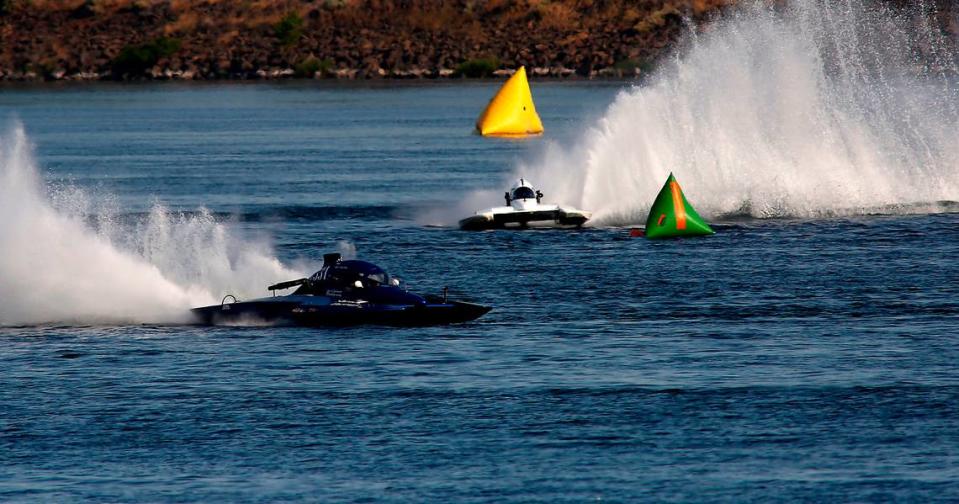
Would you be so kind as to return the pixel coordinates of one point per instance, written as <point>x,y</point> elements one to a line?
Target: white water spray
<point>819,108</point>
<point>347,249</point>
<point>55,267</point>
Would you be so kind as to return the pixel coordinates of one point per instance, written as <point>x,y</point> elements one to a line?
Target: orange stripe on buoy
<point>678,208</point>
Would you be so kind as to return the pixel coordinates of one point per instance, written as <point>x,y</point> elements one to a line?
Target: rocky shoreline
<point>123,40</point>
<point>84,40</point>
<point>163,74</point>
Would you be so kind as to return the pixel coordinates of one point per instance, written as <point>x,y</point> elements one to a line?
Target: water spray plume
<point>55,267</point>
<point>815,109</point>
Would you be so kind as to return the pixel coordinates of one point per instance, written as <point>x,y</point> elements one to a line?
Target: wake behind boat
<point>343,293</point>
<point>524,208</point>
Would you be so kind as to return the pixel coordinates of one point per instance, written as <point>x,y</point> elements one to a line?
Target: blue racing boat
<point>342,293</point>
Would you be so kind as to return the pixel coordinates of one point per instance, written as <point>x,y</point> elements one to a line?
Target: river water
<point>793,359</point>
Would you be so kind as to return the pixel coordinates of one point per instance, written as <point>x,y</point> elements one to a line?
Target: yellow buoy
<point>511,112</point>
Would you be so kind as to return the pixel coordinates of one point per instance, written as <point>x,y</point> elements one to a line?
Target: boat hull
<point>523,219</point>
<point>277,311</point>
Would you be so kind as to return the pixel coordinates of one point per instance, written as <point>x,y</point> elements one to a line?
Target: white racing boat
<point>524,208</point>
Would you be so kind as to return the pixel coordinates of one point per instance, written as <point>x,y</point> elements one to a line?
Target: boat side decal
<point>678,205</point>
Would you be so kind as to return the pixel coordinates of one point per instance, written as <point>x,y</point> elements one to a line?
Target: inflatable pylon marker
<point>671,216</point>
<point>511,111</point>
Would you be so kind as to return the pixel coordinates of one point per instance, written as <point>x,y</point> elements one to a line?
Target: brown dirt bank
<point>250,39</point>
<point>217,39</point>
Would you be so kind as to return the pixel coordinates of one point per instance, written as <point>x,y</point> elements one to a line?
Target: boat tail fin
<point>287,284</point>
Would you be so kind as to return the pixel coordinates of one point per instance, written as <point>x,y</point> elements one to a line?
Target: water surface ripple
<point>791,360</point>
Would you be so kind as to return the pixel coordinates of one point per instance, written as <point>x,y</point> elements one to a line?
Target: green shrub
<point>165,46</point>
<point>44,69</point>
<point>476,68</point>
<point>628,67</point>
<point>134,61</point>
<point>311,64</point>
<point>289,29</point>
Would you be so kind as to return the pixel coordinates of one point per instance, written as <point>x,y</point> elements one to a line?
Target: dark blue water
<point>780,360</point>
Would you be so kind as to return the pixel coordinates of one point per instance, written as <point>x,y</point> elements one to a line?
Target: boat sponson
<point>476,222</point>
<point>572,218</point>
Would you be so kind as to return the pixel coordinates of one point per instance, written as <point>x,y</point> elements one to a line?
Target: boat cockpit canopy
<point>523,192</point>
<point>348,273</point>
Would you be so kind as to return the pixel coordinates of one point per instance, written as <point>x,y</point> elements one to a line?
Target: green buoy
<point>671,216</point>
